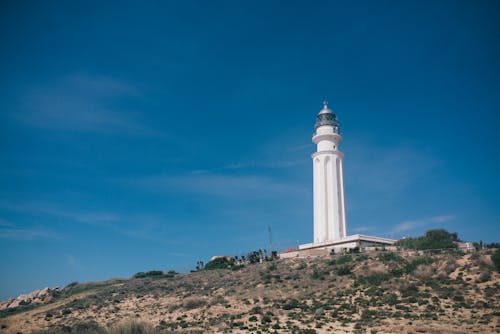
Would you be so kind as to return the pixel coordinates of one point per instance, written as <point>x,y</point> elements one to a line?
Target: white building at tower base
<point>350,242</point>
<point>362,242</point>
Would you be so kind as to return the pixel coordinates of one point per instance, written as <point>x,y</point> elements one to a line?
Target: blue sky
<point>151,135</point>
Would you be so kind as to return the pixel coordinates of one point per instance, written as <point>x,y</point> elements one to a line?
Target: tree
<point>433,239</point>
<point>253,257</point>
<point>200,265</point>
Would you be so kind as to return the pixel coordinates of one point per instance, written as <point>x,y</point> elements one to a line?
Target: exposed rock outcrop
<point>35,297</point>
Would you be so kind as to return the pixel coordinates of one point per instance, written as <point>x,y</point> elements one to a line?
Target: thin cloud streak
<point>301,147</point>
<point>136,226</point>
<point>9,230</point>
<point>51,209</point>
<point>362,229</point>
<point>262,164</point>
<point>5,223</point>
<point>219,185</point>
<point>413,224</point>
<point>83,103</point>
<point>18,233</point>
<point>387,170</point>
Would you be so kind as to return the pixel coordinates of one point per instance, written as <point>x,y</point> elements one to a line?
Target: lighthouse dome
<point>327,117</point>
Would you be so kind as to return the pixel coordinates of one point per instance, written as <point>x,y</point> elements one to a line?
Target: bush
<point>79,328</point>
<point>266,319</point>
<point>193,302</point>
<point>132,327</point>
<point>317,274</point>
<point>221,263</point>
<point>290,304</point>
<point>354,250</point>
<point>344,270</point>
<point>496,259</point>
<point>152,273</point>
<point>71,285</point>
<point>390,256</point>
<point>411,266</point>
<point>307,331</point>
<point>374,279</point>
<point>396,272</point>
<point>344,259</point>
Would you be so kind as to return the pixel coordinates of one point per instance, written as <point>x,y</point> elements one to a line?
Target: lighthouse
<point>329,223</point>
<point>328,179</point>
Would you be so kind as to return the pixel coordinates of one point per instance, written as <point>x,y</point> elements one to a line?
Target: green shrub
<point>266,319</point>
<point>373,279</point>
<point>344,259</point>
<point>256,310</point>
<point>290,304</point>
<point>391,299</point>
<point>79,328</point>
<point>319,274</point>
<point>71,285</point>
<point>361,257</point>
<point>221,263</point>
<point>396,272</point>
<point>343,270</point>
<point>132,327</point>
<point>170,273</point>
<point>354,250</point>
<point>496,259</point>
<point>390,256</point>
<point>307,331</point>
<point>193,302</point>
<point>410,291</point>
<point>411,266</point>
<point>152,273</point>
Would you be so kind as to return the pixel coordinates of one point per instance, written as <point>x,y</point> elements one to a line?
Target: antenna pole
<point>270,240</point>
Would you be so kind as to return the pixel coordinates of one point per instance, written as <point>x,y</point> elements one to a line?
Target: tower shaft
<point>329,212</point>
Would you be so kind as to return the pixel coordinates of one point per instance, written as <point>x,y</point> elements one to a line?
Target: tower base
<point>350,242</point>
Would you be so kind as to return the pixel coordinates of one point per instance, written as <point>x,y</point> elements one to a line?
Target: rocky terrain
<point>378,292</point>
<point>35,297</point>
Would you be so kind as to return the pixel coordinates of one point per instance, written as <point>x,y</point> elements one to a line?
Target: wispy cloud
<point>83,103</point>
<point>104,85</point>
<point>133,225</point>
<point>219,184</point>
<point>5,223</point>
<point>261,164</point>
<point>301,147</point>
<point>387,170</point>
<point>409,225</point>
<point>27,234</point>
<point>9,230</point>
<point>362,229</point>
<point>51,209</point>
<point>252,165</point>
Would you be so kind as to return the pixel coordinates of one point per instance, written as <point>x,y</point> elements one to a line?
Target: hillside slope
<point>373,293</point>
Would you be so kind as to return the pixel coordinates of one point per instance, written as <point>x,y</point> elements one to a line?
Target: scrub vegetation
<point>410,291</point>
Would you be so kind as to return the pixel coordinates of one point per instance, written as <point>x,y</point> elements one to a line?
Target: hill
<point>378,292</point>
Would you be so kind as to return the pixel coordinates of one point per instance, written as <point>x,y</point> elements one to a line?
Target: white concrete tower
<point>329,204</point>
